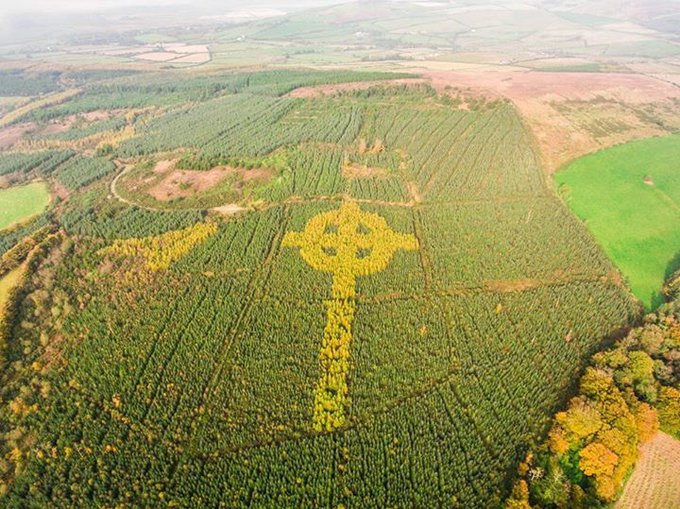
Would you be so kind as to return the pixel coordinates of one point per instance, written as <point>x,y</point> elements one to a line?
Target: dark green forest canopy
<point>195,385</point>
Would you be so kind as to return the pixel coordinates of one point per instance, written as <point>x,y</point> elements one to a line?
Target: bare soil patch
<point>92,116</point>
<point>66,123</point>
<point>57,127</point>
<point>59,190</point>
<point>322,90</point>
<point>563,134</point>
<point>184,183</point>
<point>229,209</point>
<point>163,166</point>
<point>361,171</point>
<point>10,135</point>
<point>654,483</point>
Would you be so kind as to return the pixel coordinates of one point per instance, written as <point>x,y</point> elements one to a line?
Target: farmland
<point>20,203</point>
<point>628,197</point>
<point>369,328</point>
<point>653,483</point>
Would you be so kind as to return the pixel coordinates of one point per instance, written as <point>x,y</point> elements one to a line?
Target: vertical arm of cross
<point>331,393</point>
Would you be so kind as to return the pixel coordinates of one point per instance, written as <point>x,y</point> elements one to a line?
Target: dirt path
<point>654,483</point>
<point>114,192</point>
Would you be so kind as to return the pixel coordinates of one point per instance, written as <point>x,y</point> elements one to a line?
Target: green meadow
<point>629,197</point>
<point>20,203</point>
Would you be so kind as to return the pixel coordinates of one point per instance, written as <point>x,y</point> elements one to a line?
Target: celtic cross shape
<point>346,242</point>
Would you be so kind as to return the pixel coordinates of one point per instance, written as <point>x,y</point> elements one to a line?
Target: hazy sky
<point>66,6</point>
<point>40,20</point>
<point>59,6</point>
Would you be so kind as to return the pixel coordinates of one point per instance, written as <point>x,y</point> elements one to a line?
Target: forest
<point>418,371</point>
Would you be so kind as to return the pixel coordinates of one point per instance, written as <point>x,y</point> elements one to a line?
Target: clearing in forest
<point>629,197</point>
<point>165,184</point>
<point>20,203</point>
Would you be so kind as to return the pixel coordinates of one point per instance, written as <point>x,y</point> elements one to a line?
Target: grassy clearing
<point>629,196</point>
<point>18,204</point>
<point>154,37</point>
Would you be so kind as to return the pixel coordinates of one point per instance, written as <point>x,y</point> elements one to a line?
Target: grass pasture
<point>585,67</point>
<point>629,197</point>
<point>18,204</point>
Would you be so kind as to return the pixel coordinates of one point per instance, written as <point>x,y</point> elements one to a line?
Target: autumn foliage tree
<point>624,397</point>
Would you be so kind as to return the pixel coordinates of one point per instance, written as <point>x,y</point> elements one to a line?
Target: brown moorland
<point>10,135</point>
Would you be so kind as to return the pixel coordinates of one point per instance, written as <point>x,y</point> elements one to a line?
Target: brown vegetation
<point>163,166</point>
<point>10,135</point>
<point>63,124</point>
<point>359,171</point>
<point>183,183</point>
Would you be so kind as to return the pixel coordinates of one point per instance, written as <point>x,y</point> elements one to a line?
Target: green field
<point>629,197</point>
<point>18,204</point>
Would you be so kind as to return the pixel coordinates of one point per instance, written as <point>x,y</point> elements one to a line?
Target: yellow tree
<point>599,461</point>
